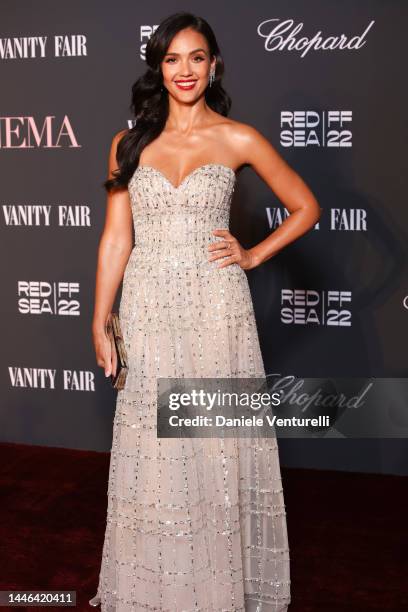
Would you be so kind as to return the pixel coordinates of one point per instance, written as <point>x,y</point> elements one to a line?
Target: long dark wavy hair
<point>149,102</point>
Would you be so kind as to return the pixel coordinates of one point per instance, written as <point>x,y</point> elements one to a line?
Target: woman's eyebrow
<point>194,51</point>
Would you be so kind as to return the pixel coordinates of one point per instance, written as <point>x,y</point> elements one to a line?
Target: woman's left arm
<point>289,188</point>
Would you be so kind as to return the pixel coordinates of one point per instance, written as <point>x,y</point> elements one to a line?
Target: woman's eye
<point>173,59</point>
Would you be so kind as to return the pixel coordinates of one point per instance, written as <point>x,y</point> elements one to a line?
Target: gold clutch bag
<point>119,356</point>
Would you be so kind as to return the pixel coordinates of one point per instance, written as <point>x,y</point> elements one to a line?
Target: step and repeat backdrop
<point>324,82</point>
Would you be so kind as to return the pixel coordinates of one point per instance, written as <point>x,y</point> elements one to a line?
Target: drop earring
<point>212,76</point>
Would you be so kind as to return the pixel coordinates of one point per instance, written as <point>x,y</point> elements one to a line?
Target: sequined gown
<point>193,524</point>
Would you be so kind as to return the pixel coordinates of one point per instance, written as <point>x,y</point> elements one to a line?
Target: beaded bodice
<point>178,221</point>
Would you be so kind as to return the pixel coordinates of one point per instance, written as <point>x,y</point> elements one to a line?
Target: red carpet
<point>347,531</point>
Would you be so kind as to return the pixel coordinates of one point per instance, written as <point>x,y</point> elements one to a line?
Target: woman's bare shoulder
<point>237,131</point>
<point>241,137</point>
<point>119,135</point>
<point>242,132</point>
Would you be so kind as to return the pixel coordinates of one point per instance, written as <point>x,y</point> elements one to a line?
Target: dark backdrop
<point>338,116</point>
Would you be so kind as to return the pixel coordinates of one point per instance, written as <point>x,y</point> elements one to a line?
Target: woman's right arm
<point>114,249</point>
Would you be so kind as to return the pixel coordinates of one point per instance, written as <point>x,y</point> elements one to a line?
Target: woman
<point>192,524</point>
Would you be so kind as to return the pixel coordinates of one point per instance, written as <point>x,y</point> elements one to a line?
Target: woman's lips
<point>186,85</point>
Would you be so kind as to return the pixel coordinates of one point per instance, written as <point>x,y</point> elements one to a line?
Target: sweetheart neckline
<point>189,175</point>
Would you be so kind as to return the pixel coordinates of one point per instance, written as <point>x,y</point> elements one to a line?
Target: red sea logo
<point>330,307</point>
<point>24,133</point>
<point>48,298</point>
<point>282,37</point>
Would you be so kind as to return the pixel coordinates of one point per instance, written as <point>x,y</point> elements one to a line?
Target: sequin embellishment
<point>193,525</point>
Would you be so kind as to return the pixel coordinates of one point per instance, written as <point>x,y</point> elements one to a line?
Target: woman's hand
<point>231,251</point>
<point>105,356</point>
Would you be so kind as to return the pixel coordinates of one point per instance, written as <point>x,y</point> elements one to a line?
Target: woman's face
<point>186,65</point>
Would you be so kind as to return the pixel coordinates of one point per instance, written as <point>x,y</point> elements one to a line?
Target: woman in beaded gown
<point>193,524</point>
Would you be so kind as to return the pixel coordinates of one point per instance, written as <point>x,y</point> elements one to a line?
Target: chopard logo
<point>282,37</point>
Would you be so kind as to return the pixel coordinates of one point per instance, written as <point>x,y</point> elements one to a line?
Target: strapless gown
<point>193,524</point>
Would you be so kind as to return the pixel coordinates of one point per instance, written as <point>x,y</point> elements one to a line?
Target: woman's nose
<point>185,68</point>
